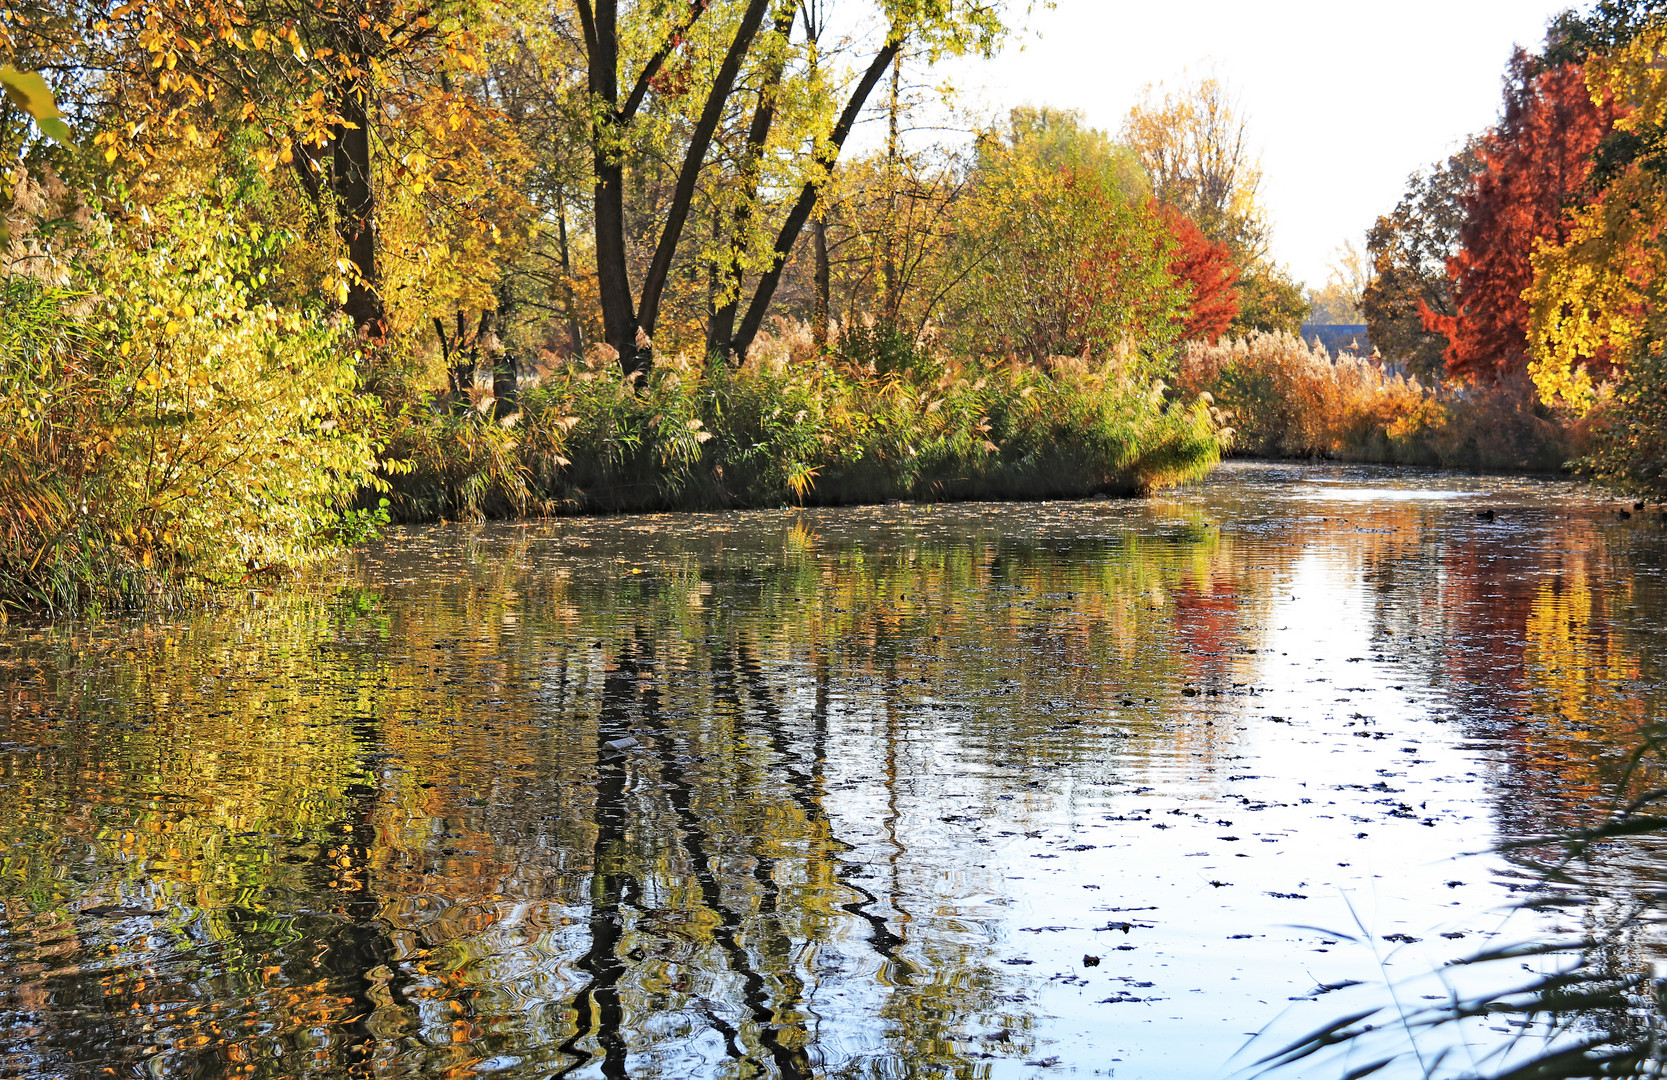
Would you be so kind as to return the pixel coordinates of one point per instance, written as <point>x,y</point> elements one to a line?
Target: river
<point>1108,788</point>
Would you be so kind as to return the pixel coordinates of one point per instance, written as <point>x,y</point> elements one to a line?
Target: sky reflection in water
<point>958,791</point>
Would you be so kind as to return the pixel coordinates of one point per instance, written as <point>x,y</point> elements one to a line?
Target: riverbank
<point>812,431</point>
<point>225,442</point>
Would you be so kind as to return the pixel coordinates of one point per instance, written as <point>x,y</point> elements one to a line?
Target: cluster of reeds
<point>1285,398</point>
<point>869,421</point>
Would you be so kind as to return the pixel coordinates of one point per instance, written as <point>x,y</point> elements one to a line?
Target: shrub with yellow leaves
<point>173,428</point>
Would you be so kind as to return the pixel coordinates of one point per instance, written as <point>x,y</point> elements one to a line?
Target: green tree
<point>1068,255</point>
<point>1270,300</point>
<point>628,50</point>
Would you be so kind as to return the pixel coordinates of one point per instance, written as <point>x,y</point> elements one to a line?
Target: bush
<point>170,429</point>
<point>1629,429</point>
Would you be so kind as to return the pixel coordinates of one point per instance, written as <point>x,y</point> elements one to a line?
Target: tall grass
<point>793,426</point>
<point>1284,398</point>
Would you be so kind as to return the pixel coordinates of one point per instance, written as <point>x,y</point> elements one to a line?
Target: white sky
<point>1345,99</point>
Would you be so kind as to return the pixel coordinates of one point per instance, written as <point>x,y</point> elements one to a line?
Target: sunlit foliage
<point>176,427</point>
<point>1071,258</point>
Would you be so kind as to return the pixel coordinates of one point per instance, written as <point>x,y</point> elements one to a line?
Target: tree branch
<point>654,282</point>
<point>826,158</point>
<point>634,101</point>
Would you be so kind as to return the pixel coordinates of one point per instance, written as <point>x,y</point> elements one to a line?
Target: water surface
<point>1097,788</point>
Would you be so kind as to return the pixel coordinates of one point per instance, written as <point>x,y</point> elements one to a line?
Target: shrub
<point>1629,429</point>
<point>172,428</point>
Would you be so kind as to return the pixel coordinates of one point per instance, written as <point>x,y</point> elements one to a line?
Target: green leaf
<point>27,90</point>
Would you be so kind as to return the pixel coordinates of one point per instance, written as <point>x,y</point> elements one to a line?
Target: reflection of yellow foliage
<point>1577,677</point>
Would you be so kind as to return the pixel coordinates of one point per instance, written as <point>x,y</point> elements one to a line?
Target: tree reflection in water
<point>714,796</point>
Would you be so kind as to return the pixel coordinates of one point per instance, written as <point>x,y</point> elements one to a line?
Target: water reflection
<point>902,792</point>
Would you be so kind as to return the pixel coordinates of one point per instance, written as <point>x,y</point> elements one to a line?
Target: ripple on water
<point>982,789</point>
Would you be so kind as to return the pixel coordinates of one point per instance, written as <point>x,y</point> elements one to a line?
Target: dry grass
<point>1284,398</point>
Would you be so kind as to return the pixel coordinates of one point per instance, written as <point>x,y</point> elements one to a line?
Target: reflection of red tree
<point>1488,590</point>
<point>1207,622</point>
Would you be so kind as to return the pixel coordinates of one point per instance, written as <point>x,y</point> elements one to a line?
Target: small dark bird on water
<point>1638,506</point>
<point>1624,515</point>
<point>1485,515</point>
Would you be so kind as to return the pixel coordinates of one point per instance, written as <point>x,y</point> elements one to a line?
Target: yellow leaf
<point>27,90</point>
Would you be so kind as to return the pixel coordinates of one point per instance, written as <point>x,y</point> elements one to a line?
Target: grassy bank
<point>794,427</point>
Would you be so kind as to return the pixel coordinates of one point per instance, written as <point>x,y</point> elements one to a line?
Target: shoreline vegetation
<point>271,280</point>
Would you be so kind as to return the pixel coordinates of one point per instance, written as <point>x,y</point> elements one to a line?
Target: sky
<point>1345,100</point>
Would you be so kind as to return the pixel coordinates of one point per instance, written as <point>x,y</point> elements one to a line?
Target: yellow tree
<point>1195,148</point>
<point>345,95</point>
<point>1593,296</point>
<point>1193,141</point>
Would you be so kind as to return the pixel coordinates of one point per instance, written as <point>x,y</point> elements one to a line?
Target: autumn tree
<point>1193,141</point>
<point>1535,163</point>
<point>1069,255</point>
<point>1338,300</point>
<point>1207,270</point>
<point>1408,249</point>
<point>338,94</point>
<point>546,297</point>
<point>1596,296</point>
<point>626,51</point>
<point>1269,299</point>
<point>1195,148</point>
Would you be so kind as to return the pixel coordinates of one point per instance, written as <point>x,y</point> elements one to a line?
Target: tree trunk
<point>722,327</point>
<point>824,277</point>
<point>677,214</point>
<point>356,207</point>
<point>889,298</point>
<point>575,340</point>
<point>619,316</point>
<point>826,159</point>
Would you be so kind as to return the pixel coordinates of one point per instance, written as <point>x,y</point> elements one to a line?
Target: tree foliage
<point>1208,272</point>
<point>1070,257</point>
<point>1535,163</point>
<point>1194,145</point>
<point>1596,294</point>
<point>178,421</point>
<point>1339,300</point>
<point>1409,249</point>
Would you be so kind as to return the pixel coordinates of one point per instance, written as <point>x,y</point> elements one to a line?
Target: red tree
<point>1208,270</point>
<point>1536,164</point>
